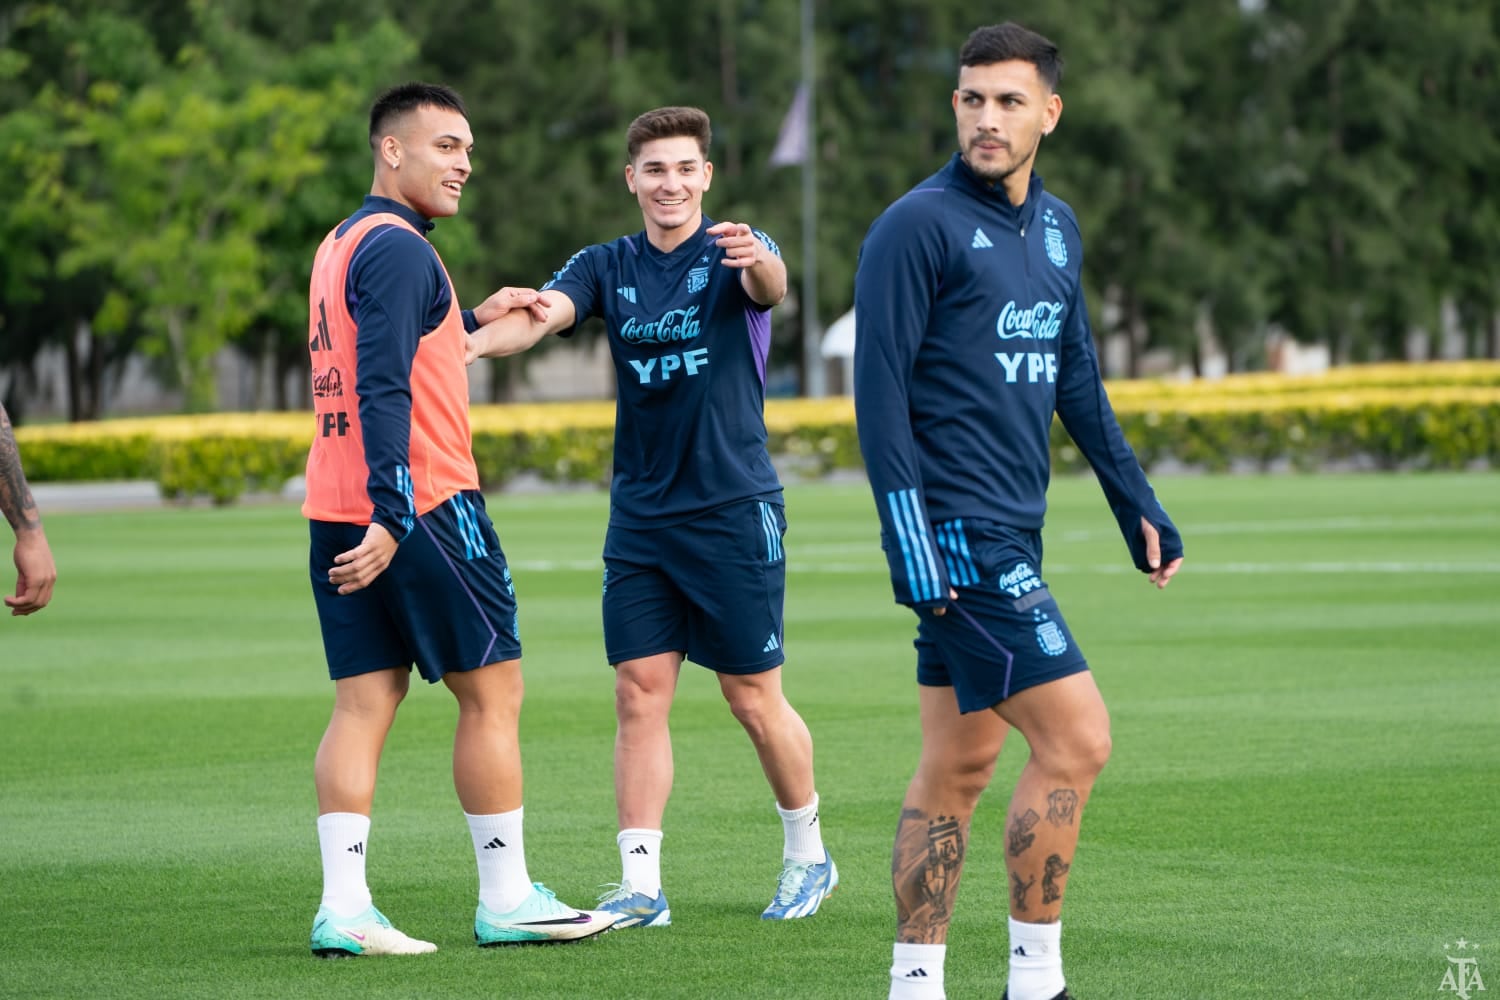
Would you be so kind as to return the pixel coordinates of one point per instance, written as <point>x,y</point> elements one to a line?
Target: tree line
<point>1327,168</point>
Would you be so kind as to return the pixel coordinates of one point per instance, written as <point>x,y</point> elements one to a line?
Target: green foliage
<point>1448,434</point>
<point>1259,424</point>
<point>569,455</point>
<point>1323,169</point>
<point>817,448</point>
<point>179,185</point>
<point>99,458</point>
<point>223,468</point>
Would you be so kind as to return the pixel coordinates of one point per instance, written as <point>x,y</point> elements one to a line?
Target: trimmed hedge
<point>1366,415</point>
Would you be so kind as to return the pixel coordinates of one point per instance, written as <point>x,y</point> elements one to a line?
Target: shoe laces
<point>549,902</point>
<point>614,892</point>
<point>790,883</point>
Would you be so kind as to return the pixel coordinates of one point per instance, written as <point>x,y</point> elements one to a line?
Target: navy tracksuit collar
<point>375,203</point>
<point>994,194</point>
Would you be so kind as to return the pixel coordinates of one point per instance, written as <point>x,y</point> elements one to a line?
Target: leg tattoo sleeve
<point>925,866</point>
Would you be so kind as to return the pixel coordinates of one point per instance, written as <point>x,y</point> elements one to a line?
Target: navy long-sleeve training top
<point>971,332</point>
<point>398,292</point>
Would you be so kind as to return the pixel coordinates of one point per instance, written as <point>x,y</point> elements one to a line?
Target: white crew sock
<point>917,971</point>
<point>500,853</point>
<point>803,833</point>
<point>640,859</point>
<point>341,840</point>
<point>1035,961</point>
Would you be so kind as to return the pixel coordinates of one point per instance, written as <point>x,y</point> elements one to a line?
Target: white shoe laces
<point>792,877</point>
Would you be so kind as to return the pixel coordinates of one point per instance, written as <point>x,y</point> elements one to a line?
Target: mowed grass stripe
<point>1300,801</point>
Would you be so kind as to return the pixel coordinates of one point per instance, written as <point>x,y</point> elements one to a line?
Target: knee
<point>370,702</point>
<point>752,710</point>
<point>1092,747</point>
<point>1099,750</point>
<point>638,697</point>
<point>494,691</point>
<point>1083,755</point>
<point>963,777</point>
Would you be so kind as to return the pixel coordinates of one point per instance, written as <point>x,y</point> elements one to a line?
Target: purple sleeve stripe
<point>758,321</point>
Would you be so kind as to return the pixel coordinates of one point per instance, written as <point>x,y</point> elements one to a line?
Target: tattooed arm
<point>35,571</point>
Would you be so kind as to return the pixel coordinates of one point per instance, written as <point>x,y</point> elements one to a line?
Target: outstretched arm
<point>762,271</point>
<point>515,319</point>
<point>35,570</point>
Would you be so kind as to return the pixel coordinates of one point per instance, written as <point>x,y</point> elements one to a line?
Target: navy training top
<point>689,348</point>
<point>971,332</point>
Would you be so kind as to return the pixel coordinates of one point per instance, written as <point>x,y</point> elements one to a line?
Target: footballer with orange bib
<point>406,566</point>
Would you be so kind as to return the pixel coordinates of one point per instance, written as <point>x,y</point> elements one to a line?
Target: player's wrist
<point>479,340</point>
<point>392,526</point>
<point>27,528</point>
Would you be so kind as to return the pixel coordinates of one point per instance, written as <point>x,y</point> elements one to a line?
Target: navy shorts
<point>1005,633</point>
<point>711,588</point>
<point>445,603</point>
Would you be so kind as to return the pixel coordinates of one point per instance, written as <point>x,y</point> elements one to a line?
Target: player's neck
<point>667,240</point>
<point>1018,185</point>
<point>390,192</point>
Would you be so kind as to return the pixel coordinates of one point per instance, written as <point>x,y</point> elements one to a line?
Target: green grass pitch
<point>1303,799</point>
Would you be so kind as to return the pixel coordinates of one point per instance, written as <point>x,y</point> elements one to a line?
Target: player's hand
<point>358,568</point>
<point>472,347</point>
<point>505,300</point>
<point>952,596</point>
<point>35,573</point>
<point>742,248</point>
<point>1160,575</point>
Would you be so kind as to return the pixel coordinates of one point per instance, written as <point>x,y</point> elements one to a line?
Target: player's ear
<point>630,177</point>
<point>1053,113</point>
<point>708,173</point>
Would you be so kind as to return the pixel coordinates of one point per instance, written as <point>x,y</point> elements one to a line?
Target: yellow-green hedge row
<point>224,455</point>
<point>1432,374</point>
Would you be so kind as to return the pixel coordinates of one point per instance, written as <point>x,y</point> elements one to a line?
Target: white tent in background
<point>838,342</point>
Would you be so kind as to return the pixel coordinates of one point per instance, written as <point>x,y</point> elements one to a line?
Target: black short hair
<point>1003,42</point>
<point>406,98</point>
